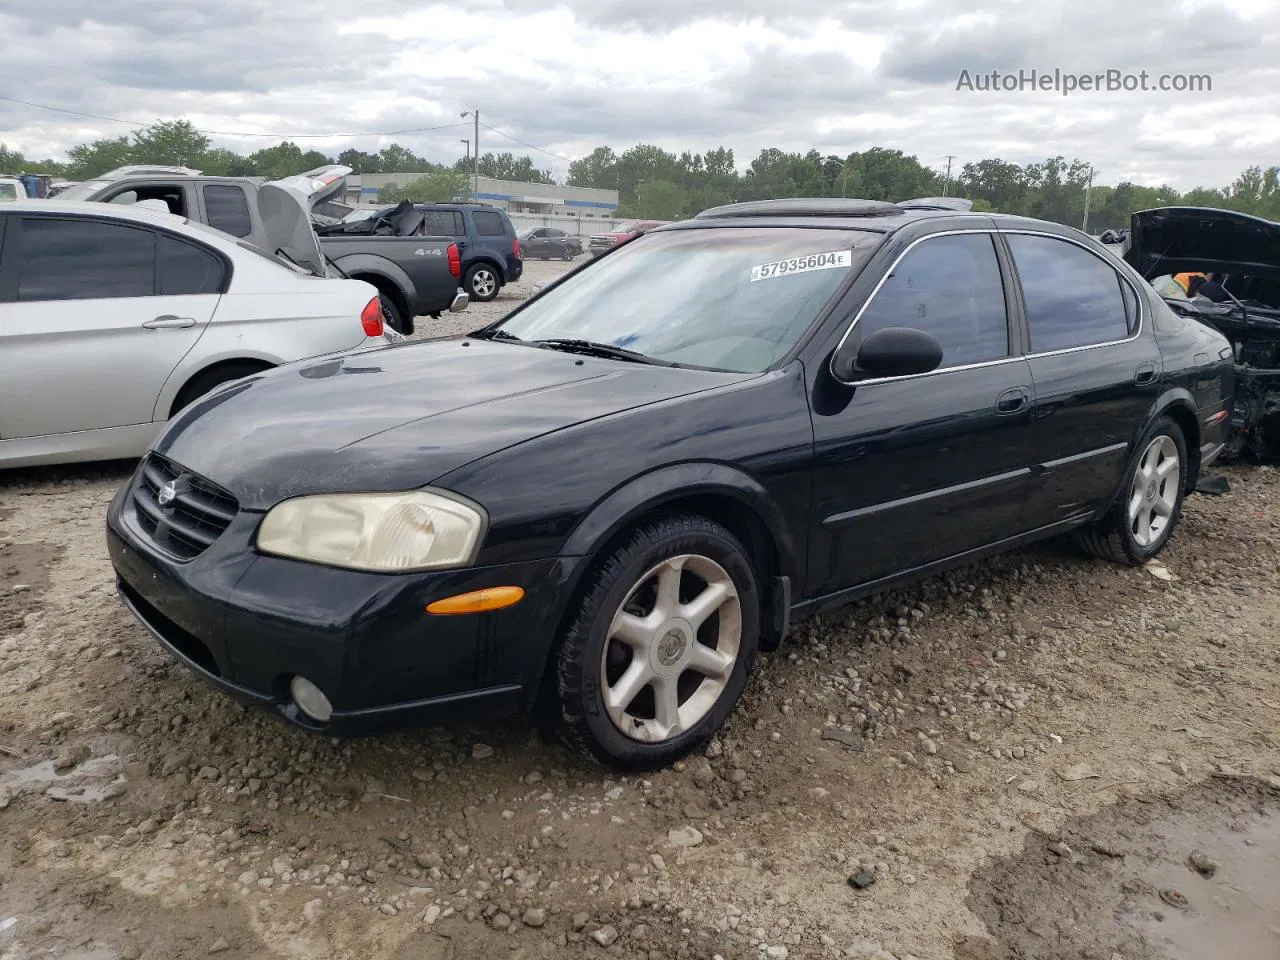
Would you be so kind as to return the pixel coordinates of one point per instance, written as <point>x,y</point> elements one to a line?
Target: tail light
<point>515,247</point>
<point>371,318</point>
<point>455,261</point>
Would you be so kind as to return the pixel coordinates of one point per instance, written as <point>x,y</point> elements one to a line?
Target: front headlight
<point>386,532</point>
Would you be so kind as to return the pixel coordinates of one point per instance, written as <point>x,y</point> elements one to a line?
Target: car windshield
<point>9,191</point>
<point>727,298</point>
<point>627,227</point>
<point>82,191</point>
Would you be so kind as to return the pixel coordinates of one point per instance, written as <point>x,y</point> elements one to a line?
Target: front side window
<point>1073,298</point>
<point>949,287</point>
<point>84,260</point>
<point>728,298</point>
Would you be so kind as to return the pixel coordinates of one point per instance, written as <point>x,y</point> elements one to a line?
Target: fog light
<point>311,700</point>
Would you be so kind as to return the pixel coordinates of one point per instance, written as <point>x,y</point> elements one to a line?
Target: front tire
<point>482,282</point>
<point>662,645</point>
<point>1145,514</point>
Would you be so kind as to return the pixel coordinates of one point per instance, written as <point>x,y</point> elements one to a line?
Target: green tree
<point>173,143</point>
<point>438,186</point>
<point>598,169</point>
<point>284,160</point>
<point>88,160</point>
<point>658,200</point>
<point>361,162</point>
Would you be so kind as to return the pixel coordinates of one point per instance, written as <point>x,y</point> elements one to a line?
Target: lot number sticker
<point>815,261</point>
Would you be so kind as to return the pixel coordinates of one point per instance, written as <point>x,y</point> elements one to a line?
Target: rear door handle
<point>1145,373</point>
<point>1012,400</point>
<point>169,322</point>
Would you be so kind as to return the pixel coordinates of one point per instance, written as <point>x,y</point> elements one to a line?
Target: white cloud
<point>685,74</point>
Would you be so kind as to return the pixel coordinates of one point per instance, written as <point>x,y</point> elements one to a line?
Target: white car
<point>113,318</point>
<point>12,190</point>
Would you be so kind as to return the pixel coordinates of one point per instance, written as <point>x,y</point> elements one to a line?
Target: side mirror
<point>889,352</point>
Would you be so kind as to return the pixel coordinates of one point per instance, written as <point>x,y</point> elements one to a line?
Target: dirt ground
<point>1042,756</point>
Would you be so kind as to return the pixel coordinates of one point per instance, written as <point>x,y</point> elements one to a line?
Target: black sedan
<point>548,243</point>
<point>599,508</point>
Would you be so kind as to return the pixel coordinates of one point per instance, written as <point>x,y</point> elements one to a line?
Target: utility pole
<point>946,184</point>
<point>1084,227</point>
<point>475,185</point>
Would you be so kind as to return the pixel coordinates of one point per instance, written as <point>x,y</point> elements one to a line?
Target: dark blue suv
<point>486,240</point>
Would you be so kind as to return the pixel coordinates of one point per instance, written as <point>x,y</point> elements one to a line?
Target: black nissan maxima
<point>599,508</point>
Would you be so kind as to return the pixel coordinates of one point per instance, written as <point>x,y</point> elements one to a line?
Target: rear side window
<point>84,260</point>
<point>444,223</point>
<point>1130,297</point>
<point>1073,298</point>
<point>228,209</point>
<point>489,224</point>
<point>185,269</point>
<point>949,287</point>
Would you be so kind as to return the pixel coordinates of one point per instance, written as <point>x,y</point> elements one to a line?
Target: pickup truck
<point>414,276</point>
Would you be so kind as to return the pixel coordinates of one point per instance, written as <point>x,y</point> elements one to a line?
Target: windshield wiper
<point>608,350</point>
<point>496,335</point>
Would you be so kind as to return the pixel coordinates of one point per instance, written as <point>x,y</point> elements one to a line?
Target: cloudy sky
<point>686,74</point>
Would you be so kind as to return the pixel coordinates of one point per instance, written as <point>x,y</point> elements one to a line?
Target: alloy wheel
<point>671,648</point>
<point>1154,494</point>
<point>483,283</point>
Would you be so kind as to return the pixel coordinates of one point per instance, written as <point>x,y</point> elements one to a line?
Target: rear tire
<point>209,380</point>
<point>391,315</point>
<point>689,639</point>
<point>482,282</point>
<point>1146,512</point>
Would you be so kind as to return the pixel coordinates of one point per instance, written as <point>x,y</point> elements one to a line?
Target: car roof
<point>115,211</point>
<point>875,216</point>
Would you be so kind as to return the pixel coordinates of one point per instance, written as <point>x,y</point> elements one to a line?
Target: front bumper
<point>247,623</point>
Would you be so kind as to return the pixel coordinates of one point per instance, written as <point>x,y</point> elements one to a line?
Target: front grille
<point>189,521</point>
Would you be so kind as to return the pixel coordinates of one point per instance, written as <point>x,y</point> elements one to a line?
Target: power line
<point>531,146</point>
<point>243,133</point>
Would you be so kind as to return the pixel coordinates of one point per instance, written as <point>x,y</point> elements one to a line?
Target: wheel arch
<point>251,365</point>
<point>721,493</point>
<point>488,260</point>
<point>1179,405</point>
<point>387,278</point>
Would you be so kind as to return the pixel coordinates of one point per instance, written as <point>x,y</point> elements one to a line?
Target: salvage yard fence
<point>574,226</point>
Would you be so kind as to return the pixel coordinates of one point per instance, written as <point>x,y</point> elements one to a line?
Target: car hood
<point>400,417</point>
<point>1171,240</point>
<point>285,208</point>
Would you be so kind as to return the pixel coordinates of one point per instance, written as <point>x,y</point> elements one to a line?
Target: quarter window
<point>1073,298</point>
<point>949,287</point>
<point>184,269</point>
<point>228,209</point>
<point>84,260</point>
<point>489,224</point>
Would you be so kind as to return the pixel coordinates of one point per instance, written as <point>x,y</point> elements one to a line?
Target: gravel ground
<point>917,776</point>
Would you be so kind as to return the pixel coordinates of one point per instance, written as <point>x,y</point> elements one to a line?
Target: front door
<point>90,329</point>
<point>911,470</point>
<point>1095,369</point>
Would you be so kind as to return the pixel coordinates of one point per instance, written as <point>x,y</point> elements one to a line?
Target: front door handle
<point>1145,373</point>
<point>169,322</point>
<point>1011,401</point>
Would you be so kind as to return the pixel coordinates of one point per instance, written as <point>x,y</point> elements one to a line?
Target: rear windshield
<point>727,298</point>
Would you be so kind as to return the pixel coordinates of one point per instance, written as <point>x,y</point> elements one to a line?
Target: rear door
<point>494,240</point>
<point>229,207</point>
<point>94,315</point>
<point>1096,370</point>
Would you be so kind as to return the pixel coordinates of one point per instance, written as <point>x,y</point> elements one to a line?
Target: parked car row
<point>414,275</point>
<point>116,316</point>
<point>600,507</point>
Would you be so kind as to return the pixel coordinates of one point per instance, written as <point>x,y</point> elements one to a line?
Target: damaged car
<point>1222,268</point>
